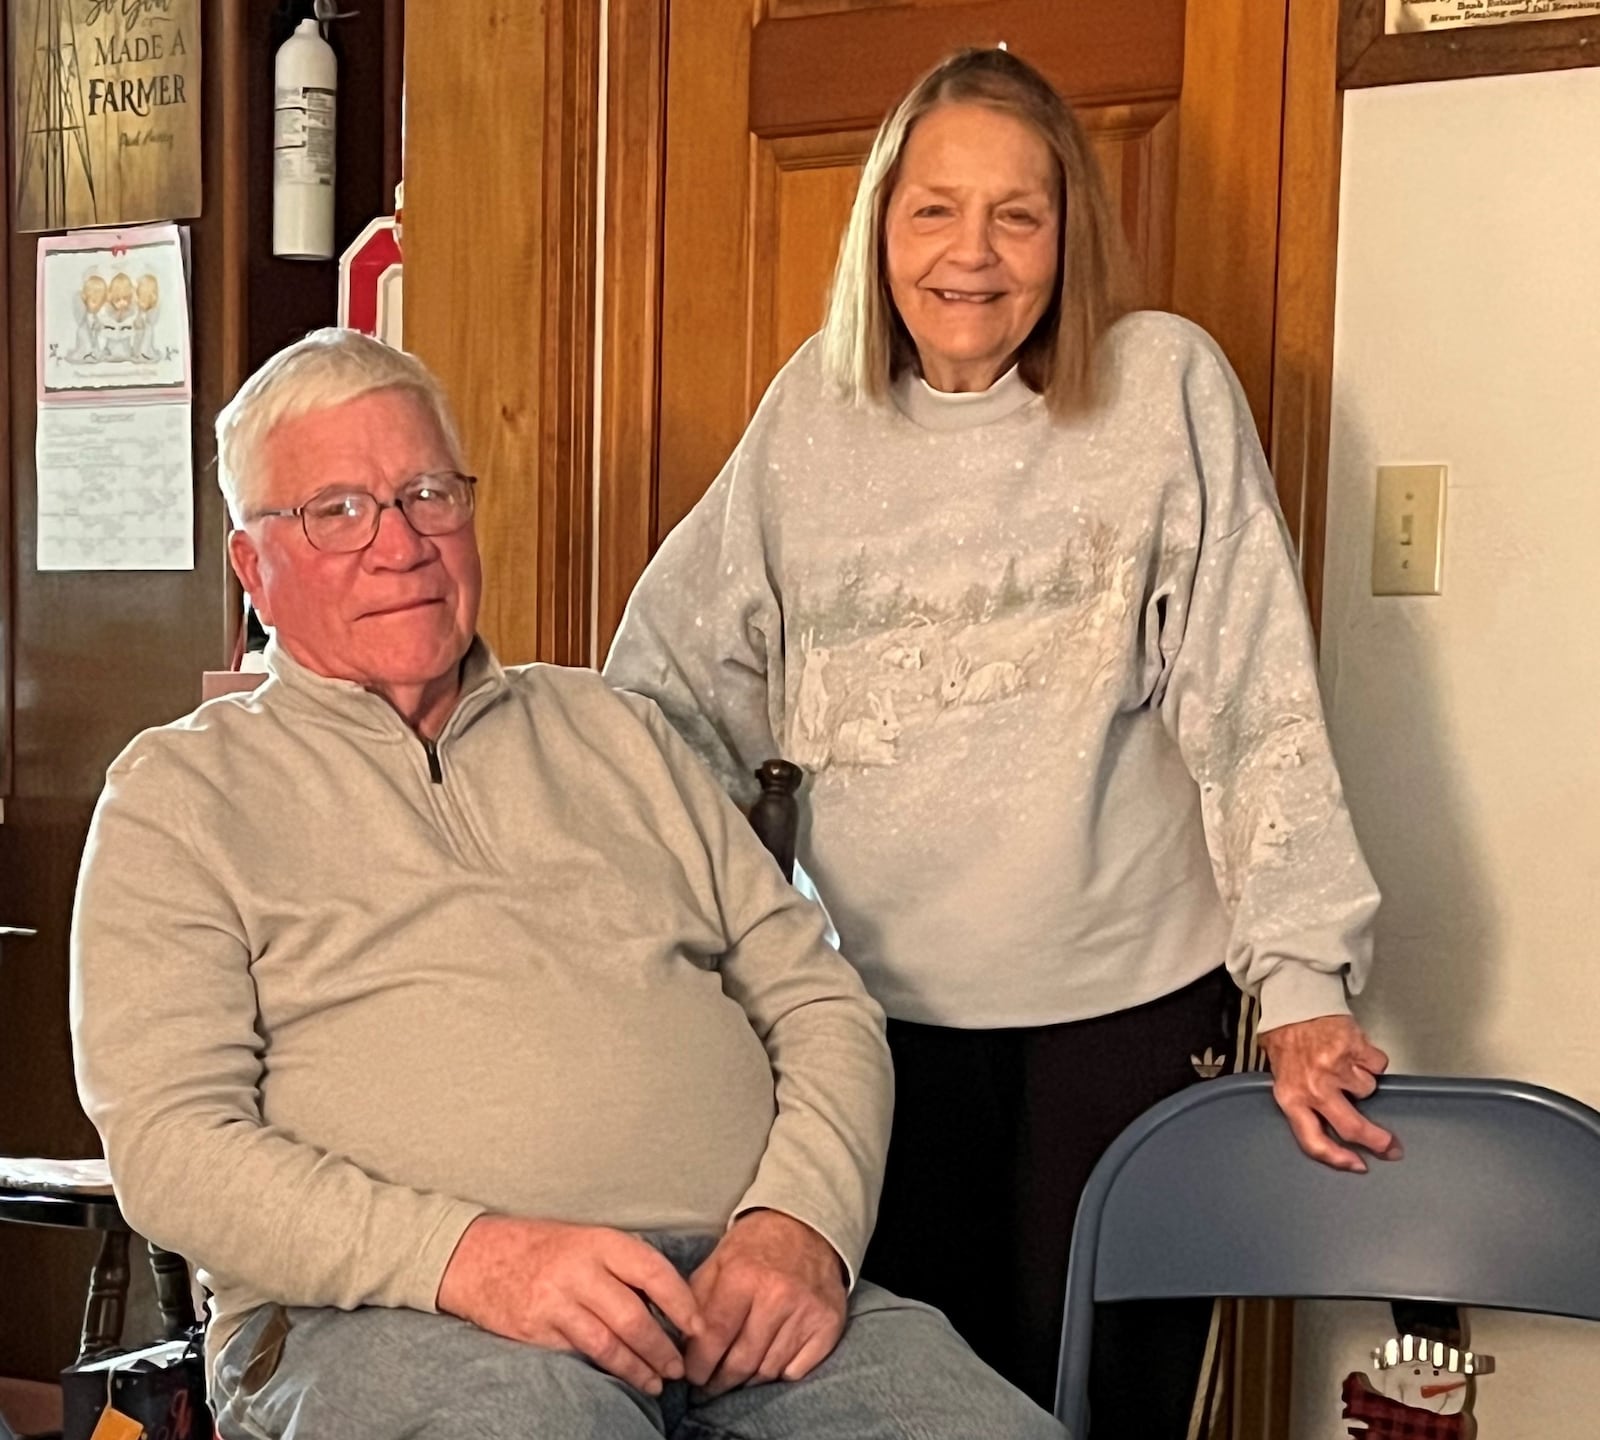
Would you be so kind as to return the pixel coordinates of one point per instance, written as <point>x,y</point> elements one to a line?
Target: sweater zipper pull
<point>435,770</point>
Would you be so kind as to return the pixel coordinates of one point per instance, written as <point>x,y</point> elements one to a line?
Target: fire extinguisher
<point>305,91</point>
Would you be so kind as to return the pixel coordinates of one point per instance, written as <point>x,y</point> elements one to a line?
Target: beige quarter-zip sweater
<point>336,992</point>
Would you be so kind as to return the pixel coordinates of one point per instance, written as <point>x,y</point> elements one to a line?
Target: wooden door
<point>767,112</point>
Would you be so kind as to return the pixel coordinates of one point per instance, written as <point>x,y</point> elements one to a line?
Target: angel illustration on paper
<point>87,302</point>
<point>113,315</point>
<point>147,296</point>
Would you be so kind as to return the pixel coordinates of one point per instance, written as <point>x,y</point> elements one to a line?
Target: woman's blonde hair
<point>865,344</point>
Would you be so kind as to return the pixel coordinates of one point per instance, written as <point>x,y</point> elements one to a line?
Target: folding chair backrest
<point>1496,1203</point>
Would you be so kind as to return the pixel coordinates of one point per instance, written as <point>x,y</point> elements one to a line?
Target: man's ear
<point>246,560</point>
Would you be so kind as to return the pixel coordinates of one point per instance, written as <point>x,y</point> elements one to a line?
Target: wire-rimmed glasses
<point>342,519</point>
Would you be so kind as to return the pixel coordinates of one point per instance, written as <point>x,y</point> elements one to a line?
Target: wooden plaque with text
<point>105,111</point>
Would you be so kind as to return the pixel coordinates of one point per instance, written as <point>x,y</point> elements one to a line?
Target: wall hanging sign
<point>1400,42</point>
<point>371,275</point>
<point>1408,17</point>
<point>105,109</point>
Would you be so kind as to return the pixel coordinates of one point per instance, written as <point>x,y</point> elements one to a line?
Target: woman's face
<point>972,241</point>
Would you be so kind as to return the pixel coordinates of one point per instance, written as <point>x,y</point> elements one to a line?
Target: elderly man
<point>458,1028</point>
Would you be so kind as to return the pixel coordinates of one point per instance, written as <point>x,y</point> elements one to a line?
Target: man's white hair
<point>329,367</point>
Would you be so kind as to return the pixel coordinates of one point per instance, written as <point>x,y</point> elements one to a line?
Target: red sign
<point>369,282</point>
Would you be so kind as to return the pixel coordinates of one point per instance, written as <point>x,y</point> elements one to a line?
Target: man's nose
<point>397,545</point>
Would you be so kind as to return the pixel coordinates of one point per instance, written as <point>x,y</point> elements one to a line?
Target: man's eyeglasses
<point>341,520</point>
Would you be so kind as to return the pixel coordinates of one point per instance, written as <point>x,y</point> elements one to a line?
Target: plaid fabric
<point>1390,1420</point>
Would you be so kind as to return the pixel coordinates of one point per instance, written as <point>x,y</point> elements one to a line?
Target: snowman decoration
<point>1418,1391</point>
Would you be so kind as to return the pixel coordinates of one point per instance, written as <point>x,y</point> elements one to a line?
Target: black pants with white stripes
<point>995,1133</point>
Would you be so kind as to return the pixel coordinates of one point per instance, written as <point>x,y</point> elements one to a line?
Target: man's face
<point>401,612</point>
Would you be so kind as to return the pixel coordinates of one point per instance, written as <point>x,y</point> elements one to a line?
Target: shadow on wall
<point>1438,943</point>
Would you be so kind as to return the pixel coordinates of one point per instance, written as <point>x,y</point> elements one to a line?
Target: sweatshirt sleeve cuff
<point>434,1253</point>
<point>1295,992</point>
<point>849,1256</point>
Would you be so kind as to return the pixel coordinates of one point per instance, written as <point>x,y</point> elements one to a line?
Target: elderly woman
<point>1003,568</point>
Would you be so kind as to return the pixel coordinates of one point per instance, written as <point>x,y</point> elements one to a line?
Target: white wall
<point>1468,725</point>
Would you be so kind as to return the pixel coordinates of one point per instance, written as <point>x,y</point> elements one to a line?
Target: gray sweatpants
<point>900,1372</point>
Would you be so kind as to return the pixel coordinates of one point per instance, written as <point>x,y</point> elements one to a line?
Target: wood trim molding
<point>1229,160</point>
<point>1308,239</point>
<point>1260,1370</point>
<point>501,170</point>
<point>394,80</point>
<point>808,67</point>
<point>7,471</point>
<point>565,525</point>
<point>229,196</point>
<point>629,394</point>
<point>1369,57</point>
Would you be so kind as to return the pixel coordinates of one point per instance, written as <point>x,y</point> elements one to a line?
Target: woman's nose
<point>973,245</point>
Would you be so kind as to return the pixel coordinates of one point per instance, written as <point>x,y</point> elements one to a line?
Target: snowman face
<point>1425,1388</point>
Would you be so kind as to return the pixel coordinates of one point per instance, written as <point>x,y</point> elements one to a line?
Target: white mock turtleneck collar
<point>934,409</point>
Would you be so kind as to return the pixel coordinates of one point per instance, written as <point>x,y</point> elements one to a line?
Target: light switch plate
<point>1408,530</point>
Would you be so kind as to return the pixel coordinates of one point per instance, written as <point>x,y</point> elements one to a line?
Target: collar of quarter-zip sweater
<point>483,683</point>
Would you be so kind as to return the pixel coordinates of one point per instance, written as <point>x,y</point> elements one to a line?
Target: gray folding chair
<point>1207,1194</point>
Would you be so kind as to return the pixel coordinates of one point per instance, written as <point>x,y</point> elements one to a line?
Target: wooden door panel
<point>1137,150</point>
<point>704,373</point>
<point>804,187</point>
<point>798,9</point>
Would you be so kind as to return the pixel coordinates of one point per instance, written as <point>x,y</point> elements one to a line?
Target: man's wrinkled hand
<point>1317,1065</point>
<point>772,1301</point>
<point>582,1288</point>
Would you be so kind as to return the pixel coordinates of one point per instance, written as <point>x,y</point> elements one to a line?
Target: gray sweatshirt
<point>1053,682</point>
<point>333,996</point>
